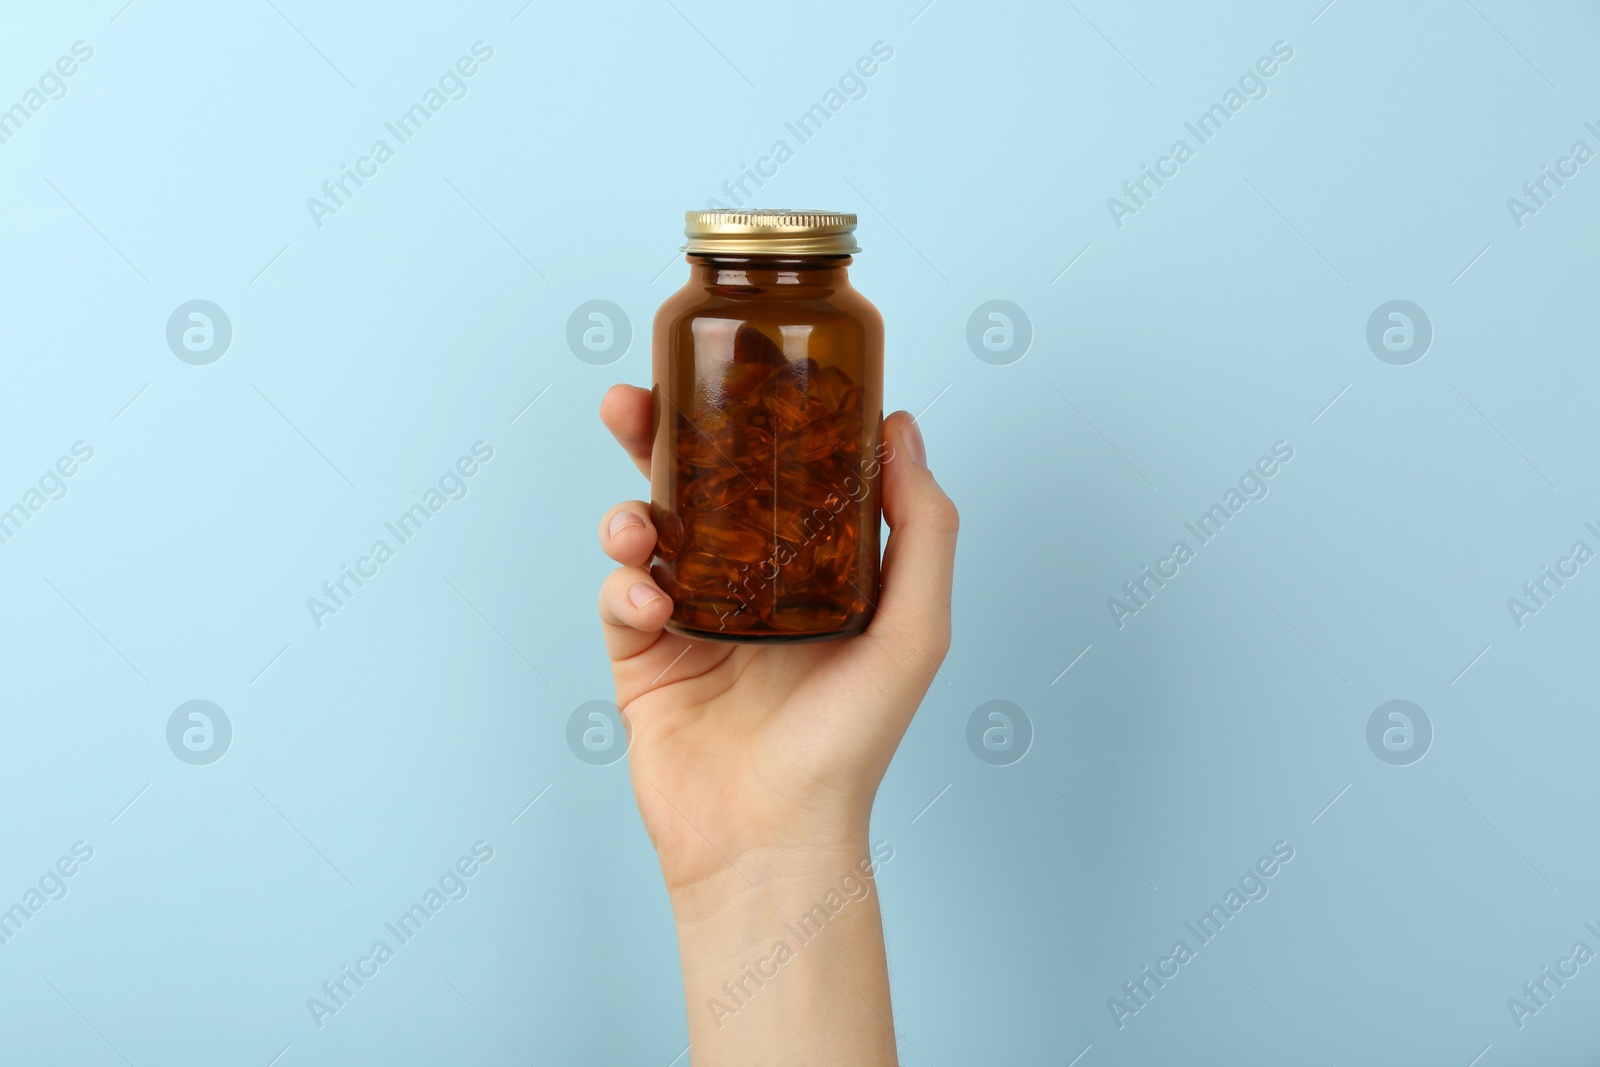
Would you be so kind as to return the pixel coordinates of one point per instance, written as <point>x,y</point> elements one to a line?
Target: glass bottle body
<point>764,474</point>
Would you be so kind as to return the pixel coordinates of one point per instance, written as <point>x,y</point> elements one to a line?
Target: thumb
<point>918,564</point>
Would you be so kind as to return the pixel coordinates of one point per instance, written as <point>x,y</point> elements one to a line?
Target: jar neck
<point>761,272</point>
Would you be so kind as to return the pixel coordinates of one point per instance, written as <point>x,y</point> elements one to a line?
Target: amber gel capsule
<point>768,400</point>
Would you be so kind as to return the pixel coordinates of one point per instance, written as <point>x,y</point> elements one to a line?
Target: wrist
<point>801,940</point>
<point>759,885</point>
<point>789,845</point>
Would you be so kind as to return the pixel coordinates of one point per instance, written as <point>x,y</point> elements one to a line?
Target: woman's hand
<point>755,767</point>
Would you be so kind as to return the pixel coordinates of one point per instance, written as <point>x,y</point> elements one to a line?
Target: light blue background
<point>432,308</point>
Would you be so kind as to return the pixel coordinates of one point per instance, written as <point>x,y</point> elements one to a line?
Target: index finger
<point>625,411</point>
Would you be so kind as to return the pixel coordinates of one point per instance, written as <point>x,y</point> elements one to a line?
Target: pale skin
<point>755,768</point>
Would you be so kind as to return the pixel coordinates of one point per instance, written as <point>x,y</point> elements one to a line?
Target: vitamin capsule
<point>710,611</point>
<point>739,382</point>
<point>669,531</point>
<point>705,571</point>
<point>708,417</point>
<point>740,446</point>
<point>795,562</point>
<point>784,396</point>
<point>712,491</point>
<point>833,560</point>
<point>788,613</point>
<point>797,489</point>
<point>750,345</point>
<point>744,543</point>
<point>829,387</point>
<point>807,370</point>
<point>819,438</point>
<point>755,507</point>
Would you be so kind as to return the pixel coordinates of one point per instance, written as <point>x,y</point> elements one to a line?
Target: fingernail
<point>622,520</point>
<point>911,437</point>
<point>644,593</point>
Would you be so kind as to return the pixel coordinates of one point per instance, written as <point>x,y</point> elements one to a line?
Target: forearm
<point>789,969</point>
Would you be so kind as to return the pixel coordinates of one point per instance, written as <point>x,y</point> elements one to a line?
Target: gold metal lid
<point>771,230</point>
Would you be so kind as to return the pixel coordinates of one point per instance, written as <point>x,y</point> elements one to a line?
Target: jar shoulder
<point>833,304</point>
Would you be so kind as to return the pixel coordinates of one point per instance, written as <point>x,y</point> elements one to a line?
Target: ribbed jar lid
<point>771,231</point>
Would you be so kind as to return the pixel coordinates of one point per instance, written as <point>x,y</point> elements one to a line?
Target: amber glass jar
<point>768,401</point>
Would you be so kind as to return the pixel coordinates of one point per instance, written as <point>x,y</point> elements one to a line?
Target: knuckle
<point>945,514</point>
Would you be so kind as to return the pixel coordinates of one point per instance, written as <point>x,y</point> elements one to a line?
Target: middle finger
<point>627,534</point>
